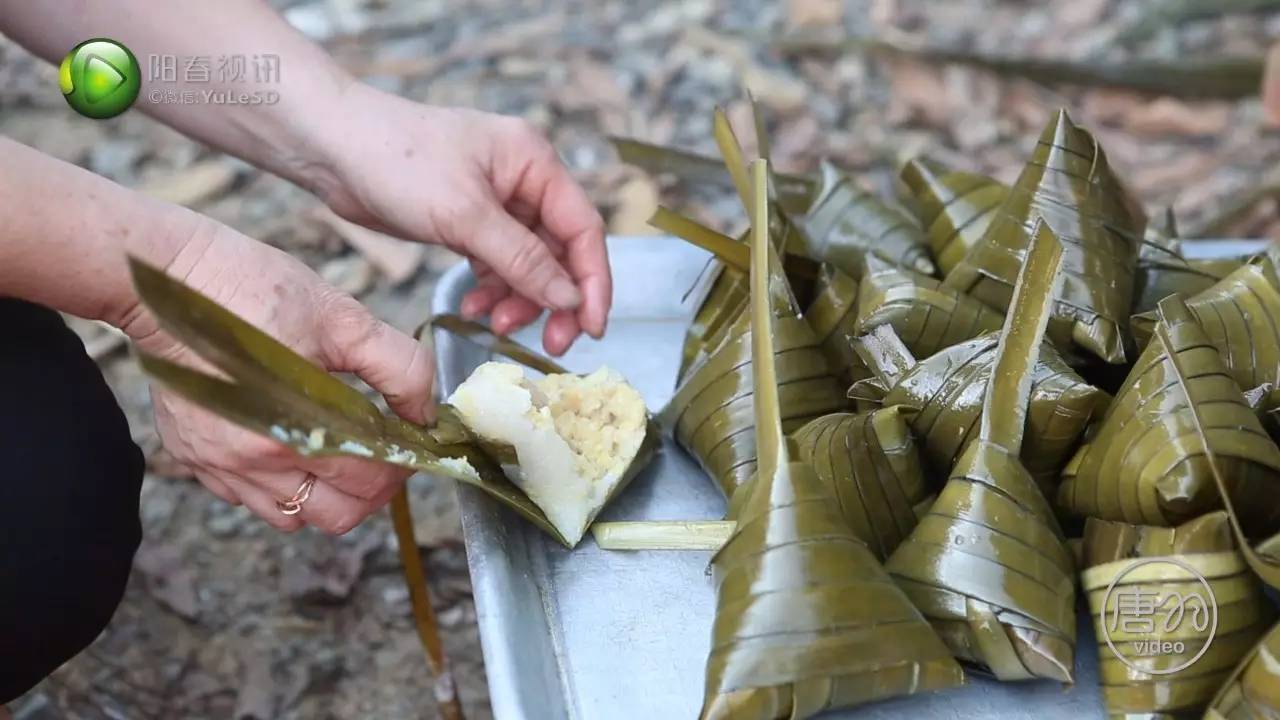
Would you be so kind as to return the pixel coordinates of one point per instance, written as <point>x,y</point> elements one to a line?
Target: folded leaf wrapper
<point>1145,464</point>
<point>987,564</point>
<point>1182,613</point>
<point>834,318</point>
<point>927,315</point>
<point>870,465</point>
<point>1069,183</point>
<point>1253,690</point>
<point>710,413</point>
<point>1240,315</point>
<point>955,207</point>
<point>846,223</point>
<point>1163,271</point>
<point>942,399</point>
<point>806,619</point>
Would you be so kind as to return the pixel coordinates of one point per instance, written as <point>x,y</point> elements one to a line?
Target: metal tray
<point>595,635</point>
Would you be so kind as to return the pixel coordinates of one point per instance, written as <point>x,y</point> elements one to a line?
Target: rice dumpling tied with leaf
<point>1242,613</point>
<point>987,565</point>
<point>570,441</point>
<point>927,315</point>
<point>1240,315</point>
<point>846,223</point>
<point>955,207</point>
<point>806,618</point>
<point>1069,184</point>
<point>710,412</point>
<point>1145,464</point>
<point>1253,690</point>
<point>871,466</point>
<point>942,398</point>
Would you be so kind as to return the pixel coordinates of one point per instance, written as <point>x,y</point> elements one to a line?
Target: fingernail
<point>562,294</point>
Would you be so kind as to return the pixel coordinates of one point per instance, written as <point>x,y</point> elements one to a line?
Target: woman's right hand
<point>280,295</point>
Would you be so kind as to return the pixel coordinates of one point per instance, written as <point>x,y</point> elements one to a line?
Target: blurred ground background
<point>226,618</point>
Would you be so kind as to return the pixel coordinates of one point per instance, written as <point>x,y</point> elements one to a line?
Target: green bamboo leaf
<point>846,223</point>
<point>927,315</point>
<point>1149,461</point>
<point>1164,271</point>
<point>731,151</point>
<point>239,349</point>
<point>1192,77</point>
<point>711,414</point>
<point>1240,315</point>
<point>870,464</point>
<point>312,430</point>
<point>1253,690</point>
<point>726,289</point>
<point>726,249</point>
<point>1069,184</point>
<point>1004,411</point>
<point>806,619</point>
<point>942,396</point>
<point>833,317</point>
<point>795,192</point>
<point>987,564</point>
<point>1243,614</point>
<point>1194,384</point>
<point>481,335</point>
<point>955,207</point>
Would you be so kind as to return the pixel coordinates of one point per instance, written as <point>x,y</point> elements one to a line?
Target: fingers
<point>566,213</point>
<point>513,313</point>
<point>394,364</point>
<point>216,486</point>
<point>363,479</point>
<point>481,301</point>
<point>523,260</point>
<point>561,330</point>
<point>327,509</point>
<point>260,502</point>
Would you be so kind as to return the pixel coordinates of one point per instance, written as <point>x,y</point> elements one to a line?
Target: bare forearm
<point>289,137</point>
<point>66,232</point>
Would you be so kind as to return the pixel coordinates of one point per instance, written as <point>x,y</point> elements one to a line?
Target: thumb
<point>522,259</point>
<point>391,362</point>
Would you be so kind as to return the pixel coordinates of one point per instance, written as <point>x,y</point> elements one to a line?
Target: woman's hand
<point>282,296</point>
<point>486,186</point>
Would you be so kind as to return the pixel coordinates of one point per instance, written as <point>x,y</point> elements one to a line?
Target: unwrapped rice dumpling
<point>575,438</point>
